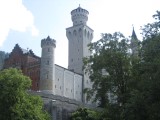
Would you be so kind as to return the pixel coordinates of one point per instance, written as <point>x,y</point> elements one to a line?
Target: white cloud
<point>15,16</point>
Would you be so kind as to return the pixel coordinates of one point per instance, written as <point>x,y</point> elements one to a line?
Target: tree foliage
<point>133,80</point>
<point>15,102</point>
<point>3,55</point>
<point>144,100</point>
<point>85,114</point>
<point>109,68</point>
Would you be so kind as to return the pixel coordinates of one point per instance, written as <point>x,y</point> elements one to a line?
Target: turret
<point>79,16</point>
<point>47,71</point>
<point>134,43</point>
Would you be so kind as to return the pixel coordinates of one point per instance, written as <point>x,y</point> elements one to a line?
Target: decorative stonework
<point>48,42</point>
<point>79,16</point>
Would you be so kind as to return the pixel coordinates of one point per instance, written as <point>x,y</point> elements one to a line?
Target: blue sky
<point>26,22</point>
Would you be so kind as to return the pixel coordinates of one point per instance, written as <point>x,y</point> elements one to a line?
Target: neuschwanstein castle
<point>61,89</point>
<point>50,78</point>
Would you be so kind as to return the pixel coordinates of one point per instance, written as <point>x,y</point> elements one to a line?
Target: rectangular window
<point>47,76</point>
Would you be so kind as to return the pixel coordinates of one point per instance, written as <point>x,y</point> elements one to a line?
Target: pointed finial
<point>133,26</point>
<point>79,5</point>
<point>133,33</point>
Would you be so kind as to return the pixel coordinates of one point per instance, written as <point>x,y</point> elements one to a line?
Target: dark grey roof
<point>134,36</point>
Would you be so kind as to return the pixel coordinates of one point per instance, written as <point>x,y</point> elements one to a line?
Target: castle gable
<point>20,57</point>
<point>17,51</point>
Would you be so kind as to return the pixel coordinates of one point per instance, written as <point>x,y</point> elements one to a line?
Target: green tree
<point>109,67</point>
<point>3,55</point>
<point>143,103</point>
<point>144,98</point>
<point>15,102</point>
<point>85,114</point>
<point>133,80</point>
<point>152,29</point>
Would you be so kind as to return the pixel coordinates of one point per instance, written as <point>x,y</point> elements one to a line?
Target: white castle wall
<point>58,80</point>
<point>68,83</point>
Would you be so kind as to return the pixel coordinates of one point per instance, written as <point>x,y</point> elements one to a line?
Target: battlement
<point>79,16</point>
<point>48,42</point>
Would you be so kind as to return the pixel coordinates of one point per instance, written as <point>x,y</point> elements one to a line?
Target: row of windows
<point>77,15</point>
<point>81,10</point>
<point>72,60</point>
<point>60,86</point>
<point>88,34</point>
<point>66,89</point>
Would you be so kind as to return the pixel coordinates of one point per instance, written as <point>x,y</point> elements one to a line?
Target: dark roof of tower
<point>79,9</point>
<point>134,36</point>
<point>48,38</point>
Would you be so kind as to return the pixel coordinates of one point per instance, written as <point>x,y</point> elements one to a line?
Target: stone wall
<point>59,107</point>
<point>68,83</point>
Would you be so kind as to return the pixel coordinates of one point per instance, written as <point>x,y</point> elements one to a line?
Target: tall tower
<point>47,71</point>
<point>79,36</point>
<point>134,43</point>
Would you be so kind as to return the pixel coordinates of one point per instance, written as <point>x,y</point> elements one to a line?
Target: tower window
<point>48,50</point>
<point>47,76</point>
<point>72,60</point>
<point>47,62</point>
<point>74,32</point>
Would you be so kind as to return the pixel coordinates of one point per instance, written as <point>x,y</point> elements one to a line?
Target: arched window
<point>80,32</point>
<point>88,35</point>
<point>91,36</point>
<point>47,62</point>
<point>74,32</point>
<point>85,32</point>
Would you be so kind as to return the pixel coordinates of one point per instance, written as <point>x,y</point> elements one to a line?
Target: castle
<point>50,78</point>
<point>53,82</point>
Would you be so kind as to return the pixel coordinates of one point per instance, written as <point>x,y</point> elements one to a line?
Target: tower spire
<point>134,43</point>
<point>134,36</point>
